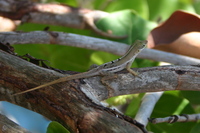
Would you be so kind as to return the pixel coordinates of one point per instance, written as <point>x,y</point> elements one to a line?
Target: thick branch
<point>67,103</point>
<point>60,38</point>
<point>63,102</point>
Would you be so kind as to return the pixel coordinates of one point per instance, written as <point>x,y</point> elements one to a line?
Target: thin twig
<point>146,108</point>
<point>176,118</point>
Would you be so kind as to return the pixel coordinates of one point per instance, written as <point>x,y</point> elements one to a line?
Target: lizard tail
<point>67,78</point>
<point>38,87</point>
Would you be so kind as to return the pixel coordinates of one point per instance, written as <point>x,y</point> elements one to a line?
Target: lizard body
<point>114,66</point>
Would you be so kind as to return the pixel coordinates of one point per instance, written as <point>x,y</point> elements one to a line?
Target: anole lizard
<point>114,66</point>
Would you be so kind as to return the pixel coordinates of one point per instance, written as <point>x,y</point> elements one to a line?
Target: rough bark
<point>64,102</point>
<point>73,103</point>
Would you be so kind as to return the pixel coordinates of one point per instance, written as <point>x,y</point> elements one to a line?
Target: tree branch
<point>53,14</point>
<point>176,118</point>
<point>60,38</point>
<point>66,98</point>
<point>64,102</point>
<point>147,105</point>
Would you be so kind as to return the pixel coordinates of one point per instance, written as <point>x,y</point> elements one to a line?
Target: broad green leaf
<point>196,5</point>
<point>140,6</point>
<point>76,59</point>
<point>61,57</point>
<point>126,22</point>
<point>119,100</point>
<point>196,128</point>
<point>71,58</point>
<point>55,127</point>
<point>192,96</point>
<point>68,2</point>
<point>170,104</point>
<point>100,4</point>
<point>162,9</point>
<point>145,63</point>
<point>134,105</point>
<point>99,57</point>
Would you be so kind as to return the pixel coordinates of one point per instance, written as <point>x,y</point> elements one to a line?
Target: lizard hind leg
<point>93,66</point>
<point>104,81</point>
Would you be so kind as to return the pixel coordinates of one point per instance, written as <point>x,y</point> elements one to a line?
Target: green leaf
<point>196,5</point>
<point>126,22</point>
<point>192,96</point>
<point>99,57</point>
<point>196,128</point>
<point>171,104</point>
<point>55,127</point>
<point>61,57</point>
<point>162,9</point>
<point>77,59</point>
<point>140,6</point>
<point>71,58</point>
<point>132,108</point>
<point>120,100</point>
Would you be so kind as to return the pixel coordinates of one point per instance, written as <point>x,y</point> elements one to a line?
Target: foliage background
<point>142,16</point>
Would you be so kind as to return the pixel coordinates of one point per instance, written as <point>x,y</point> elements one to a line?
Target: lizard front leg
<point>134,73</point>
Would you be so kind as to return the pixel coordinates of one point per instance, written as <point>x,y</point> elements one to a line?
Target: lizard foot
<point>134,73</point>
